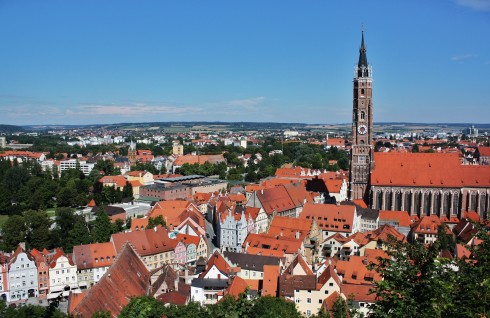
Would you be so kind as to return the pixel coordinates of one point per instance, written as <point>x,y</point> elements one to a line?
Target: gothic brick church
<point>419,183</point>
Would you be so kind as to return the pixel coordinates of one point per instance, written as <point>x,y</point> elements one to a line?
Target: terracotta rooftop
<point>126,278</point>
<point>402,217</point>
<point>146,242</point>
<point>267,242</point>
<point>330,217</point>
<point>290,227</point>
<point>271,280</point>
<point>427,170</point>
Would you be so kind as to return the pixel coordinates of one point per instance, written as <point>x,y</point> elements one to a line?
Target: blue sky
<point>92,61</point>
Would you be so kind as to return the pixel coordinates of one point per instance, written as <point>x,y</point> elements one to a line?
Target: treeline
<point>296,153</point>
<point>27,186</point>
<point>36,229</point>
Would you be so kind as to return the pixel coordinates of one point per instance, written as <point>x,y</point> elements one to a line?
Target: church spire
<point>362,65</point>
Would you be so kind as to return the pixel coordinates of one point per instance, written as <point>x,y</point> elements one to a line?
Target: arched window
<point>379,199</point>
<point>398,201</point>
<point>446,204</point>
<point>436,198</point>
<point>362,91</point>
<point>416,203</point>
<point>388,200</point>
<point>408,202</point>
<point>363,115</point>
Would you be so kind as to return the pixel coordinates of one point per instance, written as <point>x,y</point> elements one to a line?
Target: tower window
<point>362,91</point>
<point>363,115</point>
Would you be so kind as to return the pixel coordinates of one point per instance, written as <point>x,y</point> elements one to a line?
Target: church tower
<point>361,162</point>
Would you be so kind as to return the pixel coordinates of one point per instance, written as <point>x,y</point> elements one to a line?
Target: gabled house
<point>208,288</point>
<point>186,249</point>
<point>62,274</point>
<point>154,246</point>
<point>22,275</point>
<point>274,245</point>
<point>251,266</point>
<point>4,285</point>
<point>43,271</point>
<point>233,226</point>
<point>128,277</point>
<point>332,218</point>
<point>305,230</point>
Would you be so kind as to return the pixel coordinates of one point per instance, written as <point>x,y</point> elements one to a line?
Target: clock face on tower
<point>362,129</point>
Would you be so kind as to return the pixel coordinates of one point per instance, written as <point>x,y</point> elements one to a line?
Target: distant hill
<point>8,129</point>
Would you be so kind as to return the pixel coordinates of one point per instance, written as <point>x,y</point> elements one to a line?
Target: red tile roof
<point>402,217</point>
<point>265,242</point>
<point>271,280</point>
<point>237,286</point>
<point>427,170</point>
<point>275,199</point>
<point>330,217</point>
<point>120,181</point>
<point>289,227</point>
<point>146,242</point>
<point>427,225</point>
<point>360,293</point>
<point>126,278</point>
<point>201,159</point>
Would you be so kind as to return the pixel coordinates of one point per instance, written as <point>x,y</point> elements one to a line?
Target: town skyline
<point>162,62</point>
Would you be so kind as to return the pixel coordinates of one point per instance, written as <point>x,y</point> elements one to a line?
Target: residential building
<point>62,274</point>
<point>332,218</point>
<point>22,275</point>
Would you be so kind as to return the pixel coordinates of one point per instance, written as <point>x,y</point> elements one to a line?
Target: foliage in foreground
<point>419,283</point>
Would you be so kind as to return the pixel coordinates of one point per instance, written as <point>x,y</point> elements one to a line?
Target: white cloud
<point>137,109</point>
<point>463,57</point>
<point>246,103</point>
<point>479,5</point>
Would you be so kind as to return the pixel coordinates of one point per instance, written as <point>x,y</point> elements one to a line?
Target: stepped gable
<point>427,170</point>
<point>126,278</point>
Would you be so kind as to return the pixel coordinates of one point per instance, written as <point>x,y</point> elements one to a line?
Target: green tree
<point>79,234</point>
<point>14,232</point>
<point>38,234</point>
<point>102,229</point>
<point>143,307</point>
<point>272,307</point>
<point>416,281</point>
<point>158,220</point>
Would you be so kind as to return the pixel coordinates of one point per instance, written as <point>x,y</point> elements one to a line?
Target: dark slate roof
<point>362,54</point>
<point>251,262</point>
<point>209,282</point>
<point>368,214</point>
<point>110,210</point>
<point>121,159</point>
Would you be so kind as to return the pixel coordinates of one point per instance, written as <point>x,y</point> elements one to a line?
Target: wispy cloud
<point>463,57</point>
<point>248,103</point>
<point>129,110</point>
<point>479,5</point>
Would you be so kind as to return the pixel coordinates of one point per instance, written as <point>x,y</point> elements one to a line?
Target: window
<point>320,301</point>
<point>308,300</point>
